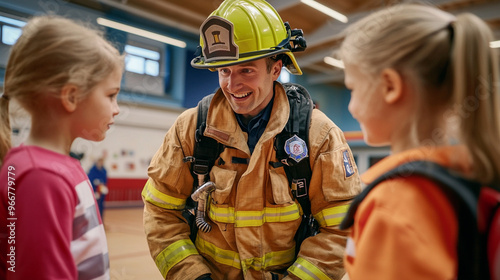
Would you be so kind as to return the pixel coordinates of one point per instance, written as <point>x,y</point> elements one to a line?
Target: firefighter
<point>252,216</point>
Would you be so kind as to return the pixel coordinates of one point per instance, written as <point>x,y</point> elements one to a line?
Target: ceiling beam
<point>173,8</point>
<point>486,11</point>
<point>333,29</point>
<point>280,5</point>
<point>150,16</point>
<point>314,57</point>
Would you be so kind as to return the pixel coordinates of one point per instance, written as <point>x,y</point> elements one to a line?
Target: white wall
<point>129,145</point>
<point>132,141</point>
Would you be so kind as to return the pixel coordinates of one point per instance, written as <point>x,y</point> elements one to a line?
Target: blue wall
<point>187,85</point>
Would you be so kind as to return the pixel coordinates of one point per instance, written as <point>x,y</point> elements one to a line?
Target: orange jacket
<point>406,228</point>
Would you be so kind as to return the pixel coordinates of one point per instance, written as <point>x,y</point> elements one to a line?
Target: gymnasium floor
<point>128,251</point>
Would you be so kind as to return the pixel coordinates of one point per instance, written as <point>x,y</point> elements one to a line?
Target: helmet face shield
<point>241,31</point>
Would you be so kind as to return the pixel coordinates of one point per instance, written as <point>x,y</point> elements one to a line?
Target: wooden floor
<point>128,251</point>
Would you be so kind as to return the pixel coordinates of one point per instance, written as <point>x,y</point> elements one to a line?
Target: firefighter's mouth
<point>241,95</point>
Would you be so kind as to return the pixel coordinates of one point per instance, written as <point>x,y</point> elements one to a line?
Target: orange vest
<point>406,228</point>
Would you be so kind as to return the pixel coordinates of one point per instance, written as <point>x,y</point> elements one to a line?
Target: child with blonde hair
<point>426,83</point>
<point>67,77</point>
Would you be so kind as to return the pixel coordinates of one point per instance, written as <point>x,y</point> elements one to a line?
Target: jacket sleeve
<point>334,182</point>
<point>165,194</point>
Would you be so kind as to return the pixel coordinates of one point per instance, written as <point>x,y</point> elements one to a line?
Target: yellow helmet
<point>244,30</point>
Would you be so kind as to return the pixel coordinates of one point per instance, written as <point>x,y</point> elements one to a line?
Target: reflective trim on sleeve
<point>254,218</point>
<point>173,254</point>
<point>306,270</point>
<point>154,196</point>
<point>232,258</point>
<point>332,216</point>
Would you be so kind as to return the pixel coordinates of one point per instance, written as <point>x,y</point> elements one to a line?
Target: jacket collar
<point>223,126</point>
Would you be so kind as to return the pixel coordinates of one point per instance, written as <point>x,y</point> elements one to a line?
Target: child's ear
<point>392,85</point>
<point>69,97</point>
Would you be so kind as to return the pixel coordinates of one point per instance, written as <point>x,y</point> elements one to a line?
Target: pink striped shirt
<point>53,229</point>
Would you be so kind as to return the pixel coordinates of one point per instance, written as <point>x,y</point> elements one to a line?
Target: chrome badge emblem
<point>296,148</point>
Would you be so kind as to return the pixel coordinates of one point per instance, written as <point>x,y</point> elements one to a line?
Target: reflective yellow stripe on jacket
<point>331,216</point>
<point>306,270</point>
<point>254,218</point>
<point>173,254</point>
<point>153,196</point>
<point>232,258</point>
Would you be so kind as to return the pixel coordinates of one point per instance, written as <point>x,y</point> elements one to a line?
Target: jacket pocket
<point>279,185</point>
<point>224,180</point>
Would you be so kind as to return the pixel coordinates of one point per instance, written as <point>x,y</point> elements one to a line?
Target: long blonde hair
<point>449,63</point>
<point>52,52</point>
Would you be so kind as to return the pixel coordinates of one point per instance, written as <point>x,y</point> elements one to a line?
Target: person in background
<point>67,77</point>
<point>426,83</point>
<point>99,179</point>
<point>252,213</point>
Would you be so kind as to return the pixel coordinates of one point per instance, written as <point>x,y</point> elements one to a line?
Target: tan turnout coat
<point>252,212</point>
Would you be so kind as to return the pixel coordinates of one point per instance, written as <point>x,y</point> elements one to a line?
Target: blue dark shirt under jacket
<point>256,125</point>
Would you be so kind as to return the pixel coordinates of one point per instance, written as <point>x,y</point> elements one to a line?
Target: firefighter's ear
<point>276,69</point>
<point>392,85</point>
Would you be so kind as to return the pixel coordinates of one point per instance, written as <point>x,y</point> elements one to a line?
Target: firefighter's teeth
<point>241,96</point>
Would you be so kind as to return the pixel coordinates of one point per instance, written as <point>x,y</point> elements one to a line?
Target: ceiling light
<point>141,32</point>
<point>324,9</point>
<point>495,44</point>
<point>334,62</point>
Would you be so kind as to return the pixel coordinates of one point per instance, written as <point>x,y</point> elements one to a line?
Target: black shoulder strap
<point>206,149</point>
<point>463,195</point>
<point>298,169</point>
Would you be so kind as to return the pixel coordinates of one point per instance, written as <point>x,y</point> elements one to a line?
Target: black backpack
<point>477,208</point>
<point>207,150</point>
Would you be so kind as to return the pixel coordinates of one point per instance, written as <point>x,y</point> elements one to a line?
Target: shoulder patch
<point>348,167</point>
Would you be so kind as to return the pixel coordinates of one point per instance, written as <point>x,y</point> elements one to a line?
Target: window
<point>10,30</point>
<point>145,66</point>
<point>142,61</point>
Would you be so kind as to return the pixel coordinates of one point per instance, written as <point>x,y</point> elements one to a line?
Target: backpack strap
<point>206,151</point>
<point>291,144</point>
<point>463,195</point>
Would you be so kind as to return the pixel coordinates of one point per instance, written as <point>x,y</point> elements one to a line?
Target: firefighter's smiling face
<point>249,86</point>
